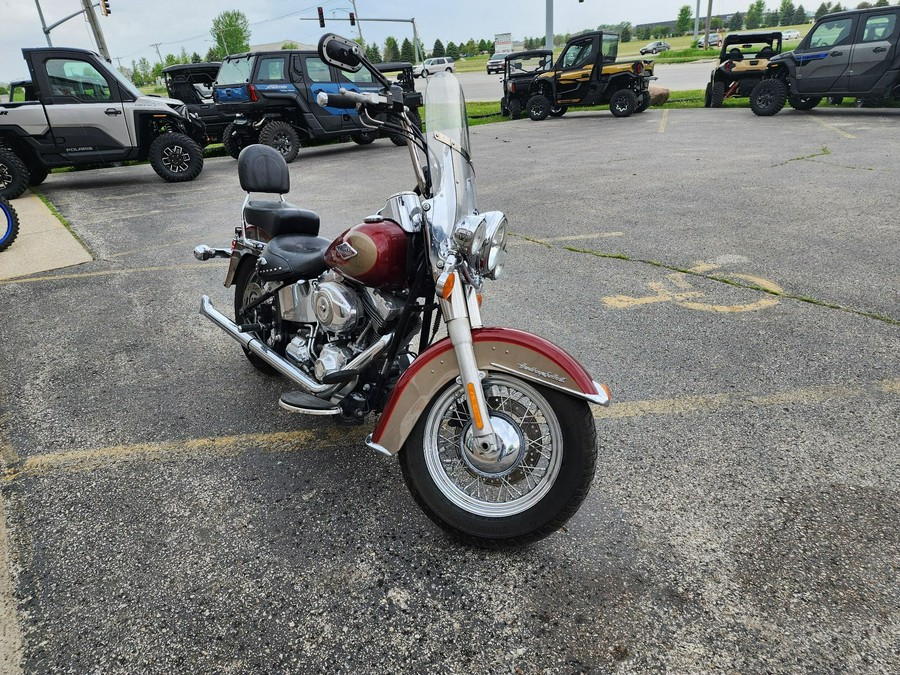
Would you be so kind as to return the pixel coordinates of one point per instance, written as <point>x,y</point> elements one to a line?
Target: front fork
<point>461,314</point>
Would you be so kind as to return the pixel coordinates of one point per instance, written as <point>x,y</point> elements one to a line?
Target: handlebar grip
<point>325,99</point>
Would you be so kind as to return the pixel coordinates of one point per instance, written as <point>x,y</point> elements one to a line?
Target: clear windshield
<point>452,175</point>
<point>234,71</point>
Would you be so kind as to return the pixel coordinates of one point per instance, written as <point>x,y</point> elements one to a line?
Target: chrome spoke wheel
<point>516,476</point>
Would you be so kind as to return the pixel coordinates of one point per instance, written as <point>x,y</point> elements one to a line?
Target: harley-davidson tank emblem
<point>345,251</point>
<point>542,373</point>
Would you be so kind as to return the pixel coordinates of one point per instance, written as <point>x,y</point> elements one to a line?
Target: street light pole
<point>43,23</point>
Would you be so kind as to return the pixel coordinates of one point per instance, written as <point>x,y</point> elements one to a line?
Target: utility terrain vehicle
<point>519,72</point>
<point>586,73</point>
<point>742,65</point>
<point>192,84</point>
<point>82,111</point>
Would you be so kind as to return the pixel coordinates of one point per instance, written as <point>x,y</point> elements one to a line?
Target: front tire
<point>538,107</point>
<point>623,103</point>
<point>282,137</point>
<point>176,158</point>
<point>550,444</point>
<point>247,288</point>
<point>9,224</point>
<point>515,109</point>
<point>768,97</point>
<point>804,102</point>
<point>13,174</point>
<point>558,110</point>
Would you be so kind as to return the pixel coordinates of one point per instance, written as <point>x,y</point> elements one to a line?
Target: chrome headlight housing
<point>470,237</point>
<point>493,252</point>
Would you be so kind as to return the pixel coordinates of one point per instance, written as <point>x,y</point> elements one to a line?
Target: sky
<point>133,26</point>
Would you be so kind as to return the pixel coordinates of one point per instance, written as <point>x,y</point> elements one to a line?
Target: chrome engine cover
<point>331,359</point>
<point>338,308</point>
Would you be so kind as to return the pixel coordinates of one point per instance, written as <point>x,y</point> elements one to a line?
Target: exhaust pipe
<point>271,357</point>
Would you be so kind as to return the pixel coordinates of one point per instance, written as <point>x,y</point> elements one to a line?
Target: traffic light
<point>352,19</point>
<point>104,7</point>
<point>321,17</point>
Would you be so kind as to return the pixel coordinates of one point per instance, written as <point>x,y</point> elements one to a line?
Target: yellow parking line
<point>829,126</point>
<point>576,237</point>
<point>104,273</point>
<point>334,436</point>
<point>663,121</point>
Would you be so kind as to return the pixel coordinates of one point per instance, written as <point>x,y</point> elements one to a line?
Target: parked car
<point>434,65</point>
<point>851,53</point>
<point>495,64</point>
<point>790,34</point>
<point>656,47</point>
<point>715,40</point>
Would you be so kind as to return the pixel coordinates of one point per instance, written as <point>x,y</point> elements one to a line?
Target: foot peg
<point>307,404</point>
<point>340,376</point>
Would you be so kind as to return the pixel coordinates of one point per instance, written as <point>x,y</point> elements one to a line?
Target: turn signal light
<point>447,288</point>
<point>476,411</point>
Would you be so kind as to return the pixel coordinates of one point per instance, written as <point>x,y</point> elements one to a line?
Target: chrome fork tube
<point>456,316</point>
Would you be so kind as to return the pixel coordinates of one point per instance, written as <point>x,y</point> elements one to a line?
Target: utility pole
<point>95,26</point>
<point>358,24</point>
<point>157,51</point>
<point>697,21</point>
<point>708,18</point>
<point>548,40</point>
<point>43,23</point>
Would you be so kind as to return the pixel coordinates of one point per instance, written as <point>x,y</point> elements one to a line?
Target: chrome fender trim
<point>516,352</point>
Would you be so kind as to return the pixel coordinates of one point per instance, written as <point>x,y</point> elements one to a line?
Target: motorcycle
<point>9,224</point>
<point>492,426</point>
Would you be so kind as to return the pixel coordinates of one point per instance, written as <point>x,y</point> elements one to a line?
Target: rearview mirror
<point>340,52</point>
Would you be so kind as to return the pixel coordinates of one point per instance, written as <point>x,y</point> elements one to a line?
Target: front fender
<point>504,350</point>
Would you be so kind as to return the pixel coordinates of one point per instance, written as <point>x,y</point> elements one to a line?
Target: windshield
<point>125,83</point>
<point>452,175</point>
<point>234,71</point>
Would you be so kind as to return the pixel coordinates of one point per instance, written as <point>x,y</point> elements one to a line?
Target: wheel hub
<point>5,176</point>
<point>176,159</point>
<point>501,461</point>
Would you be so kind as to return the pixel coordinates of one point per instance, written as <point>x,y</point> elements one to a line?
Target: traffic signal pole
<point>95,26</point>
<point>321,20</point>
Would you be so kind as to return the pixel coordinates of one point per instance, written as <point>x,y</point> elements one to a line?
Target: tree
<point>737,21</point>
<point>864,5</point>
<point>472,48</point>
<point>212,54</point>
<point>625,32</point>
<point>786,12</point>
<point>452,50</point>
<point>822,11</point>
<point>800,14</point>
<point>484,46</point>
<point>715,23</point>
<point>290,44</point>
<point>231,32</point>
<point>881,3</point>
<point>683,22</point>
<point>391,49</point>
<point>373,53</point>
<point>438,49</point>
<point>196,58</point>
<point>407,52</point>
<point>755,12</point>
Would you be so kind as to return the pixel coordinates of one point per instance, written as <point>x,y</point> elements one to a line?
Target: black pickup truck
<point>79,111</point>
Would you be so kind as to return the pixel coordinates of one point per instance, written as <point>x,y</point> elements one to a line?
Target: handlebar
<point>348,99</point>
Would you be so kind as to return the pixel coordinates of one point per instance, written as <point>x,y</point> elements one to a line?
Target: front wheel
<point>235,140</point>
<point>768,97</point>
<point>523,492</point>
<point>13,174</point>
<point>718,95</point>
<point>9,224</point>
<point>176,158</point>
<point>558,110</point>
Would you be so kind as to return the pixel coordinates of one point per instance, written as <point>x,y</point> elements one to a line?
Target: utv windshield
<point>235,71</point>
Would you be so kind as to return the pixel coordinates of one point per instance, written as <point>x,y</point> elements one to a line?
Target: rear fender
<point>503,350</point>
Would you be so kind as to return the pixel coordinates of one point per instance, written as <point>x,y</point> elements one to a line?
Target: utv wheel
<point>718,95</point>
<point>835,100</point>
<point>176,158</point>
<point>247,288</point>
<point>282,137</point>
<point>558,110</point>
<point>363,137</point>
<point>538,107</point>
<point>235,141</point>
<point>38,175</point>
<point>521,494</point>
<point>804,103</point>
<point>515,109</point>
<point>13,174</point>
<point>623,103</point>
<point>707,98</point>
<point>645,102</point>
<point>9,224</point>
<point>768,97</point>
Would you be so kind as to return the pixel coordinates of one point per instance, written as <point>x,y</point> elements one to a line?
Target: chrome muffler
<point>284,367</point>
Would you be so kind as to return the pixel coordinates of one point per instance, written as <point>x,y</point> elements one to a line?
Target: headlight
<point>493,253</point>
<point>470,235</point>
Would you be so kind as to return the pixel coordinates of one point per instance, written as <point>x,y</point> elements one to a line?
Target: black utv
<point>519,72</point>
<point>853,53</point>
<point>273,95</point>
<point>192,84</point>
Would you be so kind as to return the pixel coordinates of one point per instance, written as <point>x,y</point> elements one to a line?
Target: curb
<point>43,243</point>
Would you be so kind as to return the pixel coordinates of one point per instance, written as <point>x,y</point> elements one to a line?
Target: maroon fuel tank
<point>374,253</point>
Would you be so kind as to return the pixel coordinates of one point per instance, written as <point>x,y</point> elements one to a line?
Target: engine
<point>338,320</point>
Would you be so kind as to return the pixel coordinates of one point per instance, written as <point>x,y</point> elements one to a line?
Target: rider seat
<point>290,257</point>
<point>263,169</point>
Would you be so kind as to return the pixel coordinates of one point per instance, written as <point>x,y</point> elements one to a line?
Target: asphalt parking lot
<point>732,278</point>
